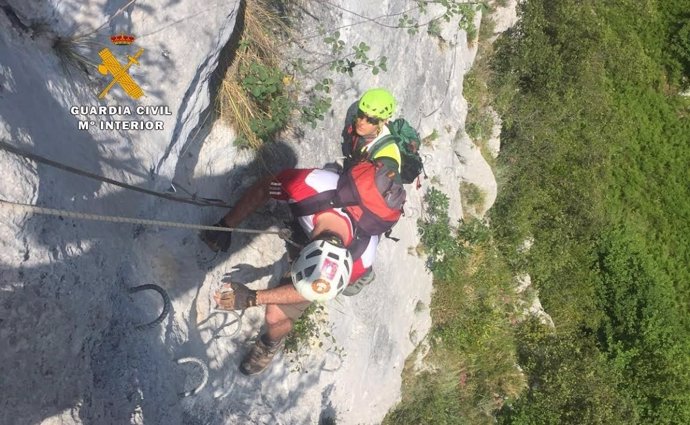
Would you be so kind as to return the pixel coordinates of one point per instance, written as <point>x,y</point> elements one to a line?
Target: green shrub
<point>432,400</point>
<point>309,327</point>
<point>474,231</point>
<point>569,381</point>
<point>472,196</point>
<point>593,153</point>
<point>437,235</point>
<point>262,81</point>
<point>642,333</point>
<point>473,359</point>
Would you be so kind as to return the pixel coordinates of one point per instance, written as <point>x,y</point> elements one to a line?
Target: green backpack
<point>408,141</point>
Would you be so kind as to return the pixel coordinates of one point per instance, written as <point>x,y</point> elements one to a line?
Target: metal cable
<point>20,152</point>
<point>16,206</point>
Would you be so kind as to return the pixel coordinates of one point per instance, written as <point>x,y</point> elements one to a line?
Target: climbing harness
<point>284,234</point>
<point>166,304</point>
<point>203,202</point>
<point>204,379</point>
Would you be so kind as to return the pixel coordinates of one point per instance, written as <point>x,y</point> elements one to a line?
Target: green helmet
<point>377,103</point>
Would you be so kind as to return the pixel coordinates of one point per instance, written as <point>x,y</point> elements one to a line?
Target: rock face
<point>70,351</point>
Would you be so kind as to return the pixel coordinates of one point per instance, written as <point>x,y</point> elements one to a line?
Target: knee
<point>275,317</point>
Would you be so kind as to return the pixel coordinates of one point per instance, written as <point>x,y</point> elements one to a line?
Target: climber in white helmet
<point>333,259</point>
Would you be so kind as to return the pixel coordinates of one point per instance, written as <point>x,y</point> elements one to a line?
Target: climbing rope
<point>284,233</point>
<point>203,202</point>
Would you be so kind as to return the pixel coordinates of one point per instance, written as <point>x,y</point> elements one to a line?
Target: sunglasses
<point>370,120</point>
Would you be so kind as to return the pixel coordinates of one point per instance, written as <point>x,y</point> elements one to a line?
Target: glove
<point>239,298</point>
<point>217,241</point>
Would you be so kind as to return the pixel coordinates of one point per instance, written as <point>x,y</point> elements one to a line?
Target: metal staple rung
<point>167,305</point>
<point>238,320</point>
<point>204,379</point>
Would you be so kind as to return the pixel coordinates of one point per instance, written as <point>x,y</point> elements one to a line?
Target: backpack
<point>369,192</point>
<point>408,141</point>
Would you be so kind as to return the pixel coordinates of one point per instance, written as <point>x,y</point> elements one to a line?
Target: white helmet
<point>322,269</point>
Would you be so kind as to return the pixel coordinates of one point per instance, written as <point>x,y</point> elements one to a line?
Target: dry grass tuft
<point>72,52</point>
<point>258,44</point>
<point>236,108</point>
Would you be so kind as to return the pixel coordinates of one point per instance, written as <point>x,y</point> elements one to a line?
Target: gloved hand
<point>238,298</point>
<point>217,241</point>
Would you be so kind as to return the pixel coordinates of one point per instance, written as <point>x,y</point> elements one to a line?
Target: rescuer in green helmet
<point>374,110</point>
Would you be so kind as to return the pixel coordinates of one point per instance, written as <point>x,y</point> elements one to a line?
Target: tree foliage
<point>593,168</point>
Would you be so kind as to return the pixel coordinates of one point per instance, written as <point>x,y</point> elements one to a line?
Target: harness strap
<point>313,204</point>
<point>380,144</point>
<point>358,246</point>
<point>326,200</point>
<point>388,236</point>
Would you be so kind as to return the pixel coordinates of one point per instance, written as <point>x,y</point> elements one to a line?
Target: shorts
<point>292,311</point>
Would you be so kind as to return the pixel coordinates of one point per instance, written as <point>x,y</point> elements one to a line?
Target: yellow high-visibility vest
<point>391,151</point>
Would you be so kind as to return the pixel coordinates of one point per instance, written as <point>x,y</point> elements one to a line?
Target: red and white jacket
<point>299,185</point>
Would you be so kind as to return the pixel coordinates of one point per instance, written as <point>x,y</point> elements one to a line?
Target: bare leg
<point>255,197</point>
<point>278,325</point>
<point>280,316</point>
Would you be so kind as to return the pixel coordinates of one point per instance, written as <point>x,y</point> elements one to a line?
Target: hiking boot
<point>260,356</point>
<point>217,241</point>
<point>360,283</point>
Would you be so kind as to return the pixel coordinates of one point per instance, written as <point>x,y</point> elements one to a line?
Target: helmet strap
<point>331,238</point>
<point>380,126</point>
